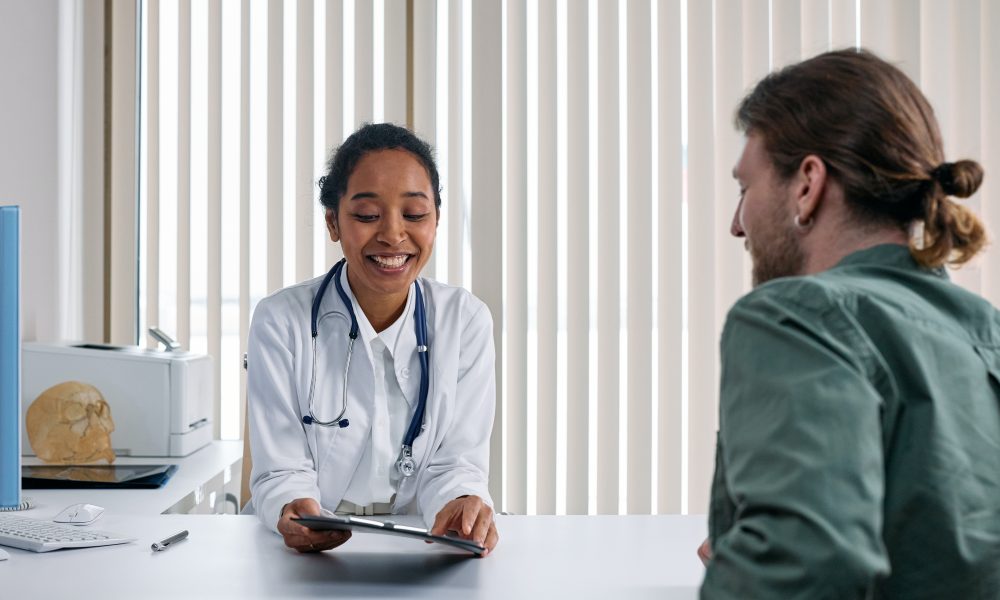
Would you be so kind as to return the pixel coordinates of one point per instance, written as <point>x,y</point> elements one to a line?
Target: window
<point>585,150</point>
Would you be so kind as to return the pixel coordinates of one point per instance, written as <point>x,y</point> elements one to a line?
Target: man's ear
<point>810,187</point>
<point>331,225</point>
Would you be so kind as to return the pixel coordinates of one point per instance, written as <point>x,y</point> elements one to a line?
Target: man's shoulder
<point>808,293</point>
<point>822,304</point>
<point>872,297</point>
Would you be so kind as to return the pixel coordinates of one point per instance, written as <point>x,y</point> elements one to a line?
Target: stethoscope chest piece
<point>406,465</point>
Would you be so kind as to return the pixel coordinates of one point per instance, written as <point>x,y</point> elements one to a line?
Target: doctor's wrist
<point>300,506</point>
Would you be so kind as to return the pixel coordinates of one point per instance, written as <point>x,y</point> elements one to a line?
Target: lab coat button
<point>404,372</point>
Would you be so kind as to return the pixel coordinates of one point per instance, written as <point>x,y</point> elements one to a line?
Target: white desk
<point>231,556</point>
<point>235,557</point>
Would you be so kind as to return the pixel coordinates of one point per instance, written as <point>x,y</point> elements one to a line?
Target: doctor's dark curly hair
<point>372,137</point>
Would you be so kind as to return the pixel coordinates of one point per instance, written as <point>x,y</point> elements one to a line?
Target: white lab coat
<point>293,460</point>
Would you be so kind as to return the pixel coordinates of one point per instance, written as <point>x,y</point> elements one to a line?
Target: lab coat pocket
<point>322,440</point>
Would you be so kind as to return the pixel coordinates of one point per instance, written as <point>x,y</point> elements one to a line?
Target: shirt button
<point>404,372</point>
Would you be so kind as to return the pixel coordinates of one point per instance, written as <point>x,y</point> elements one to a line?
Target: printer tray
<point>101,476</point>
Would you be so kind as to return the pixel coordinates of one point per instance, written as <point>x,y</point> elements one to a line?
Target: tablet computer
<point>95,476</point>
<point>348,523</point>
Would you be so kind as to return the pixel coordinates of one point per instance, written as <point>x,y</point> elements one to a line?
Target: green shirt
<point>859,438</point>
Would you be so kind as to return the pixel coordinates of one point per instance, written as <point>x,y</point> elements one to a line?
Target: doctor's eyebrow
<point>366,195</point>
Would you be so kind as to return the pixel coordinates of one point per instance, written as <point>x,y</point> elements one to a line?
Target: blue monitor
<point>10,359</point>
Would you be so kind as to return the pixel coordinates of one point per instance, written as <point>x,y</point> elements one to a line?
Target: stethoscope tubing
<point>405,463</point>
<point>339,420</point>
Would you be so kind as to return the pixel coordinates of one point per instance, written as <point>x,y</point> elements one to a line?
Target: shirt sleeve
<point>283,466</point>
<point>801,444</point>
<point>460,465</point>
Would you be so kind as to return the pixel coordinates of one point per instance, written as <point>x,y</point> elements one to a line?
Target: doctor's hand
<point>471,518</point>
<point>302,538</point>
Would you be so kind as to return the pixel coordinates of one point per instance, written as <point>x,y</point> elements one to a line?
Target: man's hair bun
<point>960,179</point>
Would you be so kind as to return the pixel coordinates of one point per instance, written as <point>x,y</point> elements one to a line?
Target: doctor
<point>371,390</point>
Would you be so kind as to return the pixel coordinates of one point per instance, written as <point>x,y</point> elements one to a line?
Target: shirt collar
<point>390,335</point>
<point>888,255</point>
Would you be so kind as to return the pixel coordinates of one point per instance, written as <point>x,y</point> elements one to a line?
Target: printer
<point>161,401</point>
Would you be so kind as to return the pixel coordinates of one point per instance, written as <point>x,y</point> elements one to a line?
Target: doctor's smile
<point>390,263</point>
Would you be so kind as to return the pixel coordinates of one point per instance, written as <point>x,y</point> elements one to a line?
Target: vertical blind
<point>585,149</point>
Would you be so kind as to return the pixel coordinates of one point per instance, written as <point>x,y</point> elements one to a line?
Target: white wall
<point>29,151</point>
<point>51,152</point>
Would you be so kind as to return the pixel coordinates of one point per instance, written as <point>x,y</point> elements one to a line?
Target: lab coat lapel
<point>406,362</point>
<point>420,445</point>
<point>423,443</point>
<point>346,446</point>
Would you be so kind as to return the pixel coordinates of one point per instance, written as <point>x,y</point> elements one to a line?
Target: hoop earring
<point>802,225</point>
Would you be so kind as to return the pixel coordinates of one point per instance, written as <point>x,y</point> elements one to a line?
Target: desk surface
<point>235,557</point>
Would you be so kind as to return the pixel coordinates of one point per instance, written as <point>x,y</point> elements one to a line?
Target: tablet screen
<point>355,524</point>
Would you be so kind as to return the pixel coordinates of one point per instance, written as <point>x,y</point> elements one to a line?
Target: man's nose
<point>737,228</point>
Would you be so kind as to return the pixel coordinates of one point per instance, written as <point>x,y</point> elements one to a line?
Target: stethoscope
<point>405,462</point>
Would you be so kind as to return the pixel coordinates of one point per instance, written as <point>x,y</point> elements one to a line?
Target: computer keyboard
<point>37,535</point>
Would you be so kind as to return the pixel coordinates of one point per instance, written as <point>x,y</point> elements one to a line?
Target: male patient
<point>859,433</point>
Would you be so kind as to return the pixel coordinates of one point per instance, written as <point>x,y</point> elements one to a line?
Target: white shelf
<point>214,468</point>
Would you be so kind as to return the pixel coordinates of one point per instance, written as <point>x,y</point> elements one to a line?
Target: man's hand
<point>471,518</point>
<point>302,538</point>
<point>705,552</point>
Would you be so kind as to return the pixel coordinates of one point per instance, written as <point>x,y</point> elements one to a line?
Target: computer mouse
<point>3,554</point>
<point>79,514</point>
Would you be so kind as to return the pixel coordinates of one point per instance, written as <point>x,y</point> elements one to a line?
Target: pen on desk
<point>160,546</point>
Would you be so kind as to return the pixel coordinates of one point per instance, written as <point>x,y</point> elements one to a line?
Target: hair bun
<point>960,179</point>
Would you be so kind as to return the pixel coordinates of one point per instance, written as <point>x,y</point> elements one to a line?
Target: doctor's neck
<point>380,308</point>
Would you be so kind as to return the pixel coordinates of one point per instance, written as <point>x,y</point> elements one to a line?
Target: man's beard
<point>776,253</point>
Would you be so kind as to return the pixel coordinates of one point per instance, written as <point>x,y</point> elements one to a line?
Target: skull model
<point>70,423</point>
